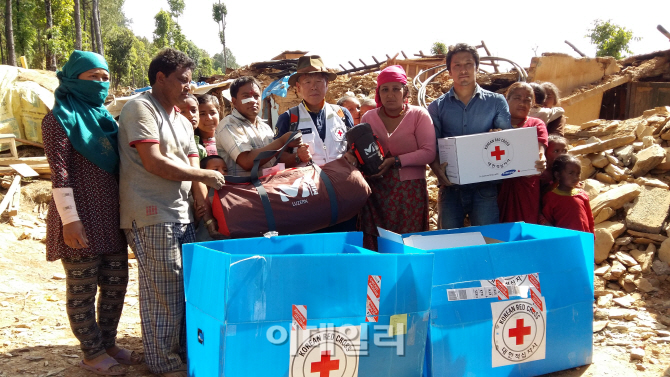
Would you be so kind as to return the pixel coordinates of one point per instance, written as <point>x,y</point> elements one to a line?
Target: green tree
<point>25,32</point>
<point>205,67</point>
<point>219,13</point>
<point>111,15</point>
<point>145,50</point>
<point>176,8</point>
<point>120,53</point>
<point>217,61</point>
<point>163,31</point>
<point>438,48</point>
<point>168,32</point>
<point>610,39</point>
<point>9,33</point>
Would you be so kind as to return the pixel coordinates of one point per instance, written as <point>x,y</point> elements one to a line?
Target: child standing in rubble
<point>557,146</point>
<point>567,206</point>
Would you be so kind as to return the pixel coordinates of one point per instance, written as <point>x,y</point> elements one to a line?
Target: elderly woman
<point>519,198</point>
<point>399,200</point>
<point>80,142</point>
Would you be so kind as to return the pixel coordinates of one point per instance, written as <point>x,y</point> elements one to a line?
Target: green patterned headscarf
<point>81,112</point>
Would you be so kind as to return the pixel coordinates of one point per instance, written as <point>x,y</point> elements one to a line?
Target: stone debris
<point>648,159</point>
<point>649,210</point>
<point>615,198</point>
<point>625,171</point>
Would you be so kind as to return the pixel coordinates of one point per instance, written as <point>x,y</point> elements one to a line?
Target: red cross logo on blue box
<point>325,352</point>
<point>498,153</point>
<point>518,332</point>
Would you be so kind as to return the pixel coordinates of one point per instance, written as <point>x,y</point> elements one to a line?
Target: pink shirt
<point>413,141</point>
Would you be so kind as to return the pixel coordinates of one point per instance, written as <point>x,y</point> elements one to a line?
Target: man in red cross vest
<point>323,125</point>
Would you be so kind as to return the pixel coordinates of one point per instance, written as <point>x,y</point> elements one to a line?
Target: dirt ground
<point>35,338</point>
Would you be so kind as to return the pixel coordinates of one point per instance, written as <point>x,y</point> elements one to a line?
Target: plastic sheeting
<point>26,96</point>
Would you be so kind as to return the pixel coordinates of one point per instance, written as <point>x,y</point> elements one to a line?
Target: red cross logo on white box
<point>325,365</point>
<point>518,332</point>
<point>498,153</point>
<point>325,352</point>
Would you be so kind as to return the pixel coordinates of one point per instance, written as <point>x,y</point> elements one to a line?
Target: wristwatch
<point>297,159</point>
<point>397,162</point>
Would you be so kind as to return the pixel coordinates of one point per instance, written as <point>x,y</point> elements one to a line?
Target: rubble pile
<point>360,85</point>
<point>363,85</point>
<point>624,166</point>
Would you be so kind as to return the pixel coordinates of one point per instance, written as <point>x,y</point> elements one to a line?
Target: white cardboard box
<point>490,156</point>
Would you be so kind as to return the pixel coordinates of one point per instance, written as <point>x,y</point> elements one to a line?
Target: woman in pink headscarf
<point>399,200</point>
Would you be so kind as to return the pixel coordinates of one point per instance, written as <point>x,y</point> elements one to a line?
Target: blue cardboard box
<point>245,299</point>
<point>474,333</point>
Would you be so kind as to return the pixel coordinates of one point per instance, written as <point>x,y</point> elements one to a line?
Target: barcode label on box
<point>476,293</point>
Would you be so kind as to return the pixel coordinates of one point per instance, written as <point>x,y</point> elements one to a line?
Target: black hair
<point>540,94</point>
<point>553,138</point>
<point>191,96</point>
<point>462,47</point>
<point>208,98</point>
<point>240,82</point>
<point>561,162</point>
<point>204,161</point>
<point>167,61</point>
<point>520,85</point>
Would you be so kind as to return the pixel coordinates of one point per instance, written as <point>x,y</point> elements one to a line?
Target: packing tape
<point>374,293</point>
<point>299,317</point>
<point>503,288</point>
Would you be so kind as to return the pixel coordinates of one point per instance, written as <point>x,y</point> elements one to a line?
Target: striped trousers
<point>83,275</point>
<point>162,305</point>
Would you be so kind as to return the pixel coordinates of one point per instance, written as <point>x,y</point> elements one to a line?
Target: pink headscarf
<point>393,73</point>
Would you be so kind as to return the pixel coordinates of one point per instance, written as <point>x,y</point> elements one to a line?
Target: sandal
<point>128,357</point>
<point>103,367</point>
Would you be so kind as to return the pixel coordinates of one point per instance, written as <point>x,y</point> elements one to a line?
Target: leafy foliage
<point>176,8</point>
<point>231,62</point>
<point>611,39</point>
<point>120,53</point>
<point>128,56</point>
<point>439,48</point>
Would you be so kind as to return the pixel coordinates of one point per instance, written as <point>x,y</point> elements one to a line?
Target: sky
<point>351,30</point>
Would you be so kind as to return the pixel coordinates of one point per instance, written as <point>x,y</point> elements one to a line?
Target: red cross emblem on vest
<point>340,133</point>
<point>519,332</point>
<point>498,153</point>
<point>326,365</point>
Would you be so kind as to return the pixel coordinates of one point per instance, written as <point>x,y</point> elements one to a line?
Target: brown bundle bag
<point>292,201</point>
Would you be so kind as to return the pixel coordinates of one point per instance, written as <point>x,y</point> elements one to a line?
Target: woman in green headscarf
<point>83,220</point>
